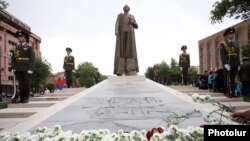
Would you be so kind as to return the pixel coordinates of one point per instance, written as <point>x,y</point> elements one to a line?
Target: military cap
<point>22,33</point>
<point>68,49</point>
<point>183,47</point>
<point>230,30</point>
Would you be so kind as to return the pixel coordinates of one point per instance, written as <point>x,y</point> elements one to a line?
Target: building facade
<point>209,56</point>
<point>8,27</point>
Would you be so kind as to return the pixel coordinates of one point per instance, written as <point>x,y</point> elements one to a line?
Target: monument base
<point>126,78</point>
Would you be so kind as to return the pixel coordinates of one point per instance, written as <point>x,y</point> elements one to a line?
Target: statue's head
<point>126,8</point>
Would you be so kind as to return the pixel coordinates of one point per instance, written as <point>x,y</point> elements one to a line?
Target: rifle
<point>229,90</point>
<point>15,96</point>
<point>182,81</point>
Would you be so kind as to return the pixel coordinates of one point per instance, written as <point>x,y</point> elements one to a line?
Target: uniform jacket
<point>69,63</point>
<point>184,60</point>
<point>229,54</point>
<point>23,58</point>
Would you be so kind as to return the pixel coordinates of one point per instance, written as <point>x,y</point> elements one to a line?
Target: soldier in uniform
<point>69,67</point>
<point>97,75</point>
<point>184,63</point>
<point>230,59</point>
<point>23,62</point>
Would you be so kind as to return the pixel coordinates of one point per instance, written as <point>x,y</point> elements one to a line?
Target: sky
<point>88,27</point>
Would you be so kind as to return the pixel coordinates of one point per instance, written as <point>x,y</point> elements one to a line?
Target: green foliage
<point>192,74</point>
<point>163,69</point>
<point>41,71</point>
<point>50,86</point>
<point>230,8</point>
<point>3,105</point>
<point>150,73</point>
<point>85,74</point>
<point>245,51</point>
<point>172,73</point>
<point>3,4</point>
<point>103,77</point>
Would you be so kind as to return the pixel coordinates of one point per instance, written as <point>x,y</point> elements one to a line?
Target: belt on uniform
<point>23,59</point>
<point>232,54</point>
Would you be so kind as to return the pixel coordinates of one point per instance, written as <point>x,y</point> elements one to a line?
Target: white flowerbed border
<point>173,133</point>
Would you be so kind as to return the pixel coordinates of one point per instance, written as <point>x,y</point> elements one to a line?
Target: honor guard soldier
<point>97,75</point>
<point>23,62</point>
<point>230,59</point>
<point>184,63</point>
<point>69,67</point>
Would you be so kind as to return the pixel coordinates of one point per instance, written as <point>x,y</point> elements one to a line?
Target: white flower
<point>120,131</point>
<point>201,98</point>
<point>56,133</point>
<point>107,138</point>
<point>195,96</point>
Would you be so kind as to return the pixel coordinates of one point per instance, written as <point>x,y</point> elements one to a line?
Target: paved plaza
<point>123,104</point>
<point>128,103</point>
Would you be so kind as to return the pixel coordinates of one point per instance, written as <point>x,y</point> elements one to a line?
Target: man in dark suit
<point>23,62</point>
<point>69,67</point>
<point>230,59</point>
<point>184,63</point>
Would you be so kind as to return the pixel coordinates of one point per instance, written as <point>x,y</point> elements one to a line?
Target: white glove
<point>181,68</point>
<point>29,71</point>
<point>13,71</point>
<point>238,68</point>
<point>227,67</point>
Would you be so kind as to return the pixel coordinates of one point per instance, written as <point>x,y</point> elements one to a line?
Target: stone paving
<point>236,102</point>
<point>17,114</point>
<point>117,103</point>
<point>128,103</point>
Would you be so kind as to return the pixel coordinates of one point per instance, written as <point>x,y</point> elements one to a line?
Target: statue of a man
<point>125,52</point>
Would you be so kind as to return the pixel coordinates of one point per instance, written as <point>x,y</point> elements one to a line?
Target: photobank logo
<point>215,132</point>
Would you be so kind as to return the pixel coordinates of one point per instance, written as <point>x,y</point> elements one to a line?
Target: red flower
<point>149,135</point>
<point>160,130</point>
<point>153,130</point>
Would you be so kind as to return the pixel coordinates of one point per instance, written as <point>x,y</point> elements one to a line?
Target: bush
<point>50,86</point>
<point>85,73</point>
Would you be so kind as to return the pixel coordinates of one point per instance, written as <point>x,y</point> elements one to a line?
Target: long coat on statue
<point>130,50</point>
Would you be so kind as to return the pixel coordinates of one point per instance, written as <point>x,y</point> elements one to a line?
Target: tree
<point>230,8</point>
<point>41,71</point>
<point>150,73</point>
<point>172,73</point>
<point>175,76</point>
<point>245,51</point>
<point>192,74</point>
<point>3,4</point>
<point>85,74</point>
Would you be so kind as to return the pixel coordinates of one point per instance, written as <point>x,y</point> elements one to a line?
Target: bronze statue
<point>125,52</point>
